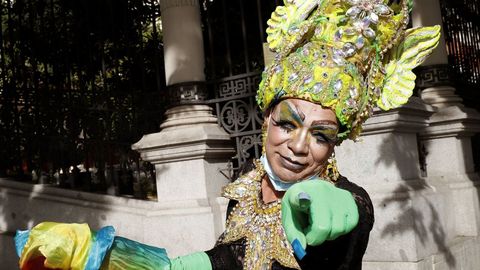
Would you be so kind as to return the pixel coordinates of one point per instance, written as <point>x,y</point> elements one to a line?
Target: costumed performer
<point>336,60</point>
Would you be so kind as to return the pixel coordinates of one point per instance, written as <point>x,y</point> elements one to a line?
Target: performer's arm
<point>52,245</point>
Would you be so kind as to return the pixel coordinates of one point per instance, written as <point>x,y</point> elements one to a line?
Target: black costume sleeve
<point>227,256</point>
<point>344,253</point>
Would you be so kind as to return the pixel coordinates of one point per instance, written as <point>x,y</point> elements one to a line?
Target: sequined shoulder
<point>245,186</point>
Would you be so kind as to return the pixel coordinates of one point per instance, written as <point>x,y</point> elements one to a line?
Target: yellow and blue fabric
<point>127,254</point>
<point>51,245</point>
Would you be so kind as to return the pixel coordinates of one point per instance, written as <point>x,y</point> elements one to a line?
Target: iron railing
<point>238,113</point>
<point>234,33</point>
<point>462,36</point>
<point>80,81</point>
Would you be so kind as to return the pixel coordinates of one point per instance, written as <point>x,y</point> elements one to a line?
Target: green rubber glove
<point>197,261</point>
<point>315,211</point>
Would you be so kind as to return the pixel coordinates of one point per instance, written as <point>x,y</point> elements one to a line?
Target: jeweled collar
<point>258,223</point>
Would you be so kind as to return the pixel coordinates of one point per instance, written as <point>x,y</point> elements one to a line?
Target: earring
<point>264,133</point>
<point>331,171</point>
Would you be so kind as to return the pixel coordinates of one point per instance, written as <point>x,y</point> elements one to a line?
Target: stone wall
<point>181,227</point>
<point>425,195</point>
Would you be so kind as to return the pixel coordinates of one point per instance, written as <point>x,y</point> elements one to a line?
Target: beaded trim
<point>259,223</point>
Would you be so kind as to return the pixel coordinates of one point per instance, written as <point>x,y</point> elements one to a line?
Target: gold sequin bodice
<point>259,223</point>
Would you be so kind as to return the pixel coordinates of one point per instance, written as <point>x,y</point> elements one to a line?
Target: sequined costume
<point>254,238</point>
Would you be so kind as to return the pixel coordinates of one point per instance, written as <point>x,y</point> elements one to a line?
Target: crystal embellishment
<point>294,30</point>
<point>369,33</point>
<point>349,49</point>
<point>255,222</point>
<point>373,18</point>
<point>365,8</point>
<point>293,77</point>
<point>278,69</point>
<point>338,35</point>
<point>363,13</point>
<point>360,42</point>
<point>337,86</point>
<point>317,88</point>
<point>338,57</point>
<point>307,80</point>
<point>305,51</point>
<point>353,11</point>
<point>349,31</point>
<point>351,103</point>
<point>353,92</point>
<point>382,10</point>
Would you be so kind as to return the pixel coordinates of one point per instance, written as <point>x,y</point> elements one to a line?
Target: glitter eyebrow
<point>324,123</point>
<point>292,113</point>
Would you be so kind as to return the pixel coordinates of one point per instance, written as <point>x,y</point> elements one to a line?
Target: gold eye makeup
<point>288,115</point>
<point>325,132</point>
<point>289,118</point>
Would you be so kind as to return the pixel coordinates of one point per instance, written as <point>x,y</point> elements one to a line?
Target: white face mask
<point>277,183</point>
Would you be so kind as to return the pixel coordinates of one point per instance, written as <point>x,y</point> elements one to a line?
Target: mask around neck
<point>277,183</point>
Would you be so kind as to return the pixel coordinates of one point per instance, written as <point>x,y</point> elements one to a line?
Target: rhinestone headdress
<point>347,55</point>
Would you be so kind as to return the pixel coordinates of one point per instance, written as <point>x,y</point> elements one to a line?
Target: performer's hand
<point>315,211</point>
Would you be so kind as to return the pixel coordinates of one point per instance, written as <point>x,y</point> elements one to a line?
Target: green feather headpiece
<point>347,55</point>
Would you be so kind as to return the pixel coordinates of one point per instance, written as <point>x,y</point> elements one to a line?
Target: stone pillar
<point>182,41</point>
<point>416,164</point>
<point>433,75</point>
<point>447,140</point>
<point>416,217</point>
<point>191,150</point>
<point>388,164</point>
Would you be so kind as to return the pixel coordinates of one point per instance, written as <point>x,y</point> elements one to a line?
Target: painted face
<point>300,138</point>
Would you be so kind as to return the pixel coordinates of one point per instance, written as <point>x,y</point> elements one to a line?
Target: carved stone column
<point>387,163</point>
<point>429,220</point>
<point>451,127</point>
<point>416,163</point>
<point>433,75</point>
<point>191,149</point>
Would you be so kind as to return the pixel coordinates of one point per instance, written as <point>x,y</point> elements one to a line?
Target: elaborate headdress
<point>348,55</point>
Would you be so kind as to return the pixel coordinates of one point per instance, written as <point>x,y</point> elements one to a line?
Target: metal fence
<point>238,114</point>
<point>80,81</point>
<point>462,36</point>
<point>234,31</point>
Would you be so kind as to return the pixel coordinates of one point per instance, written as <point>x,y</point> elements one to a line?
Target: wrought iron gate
<point>462,36</point>
<point>234,33</point>
<point>80,82</point>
